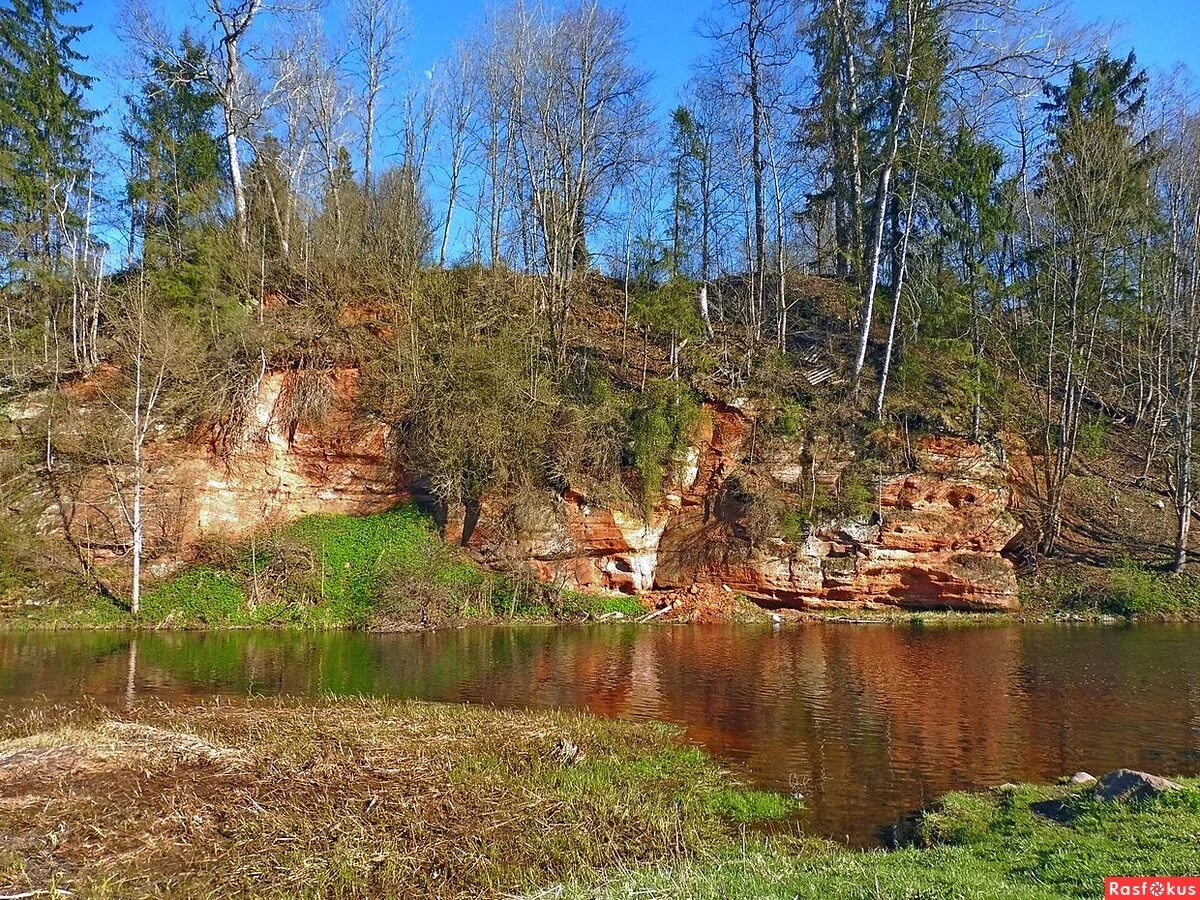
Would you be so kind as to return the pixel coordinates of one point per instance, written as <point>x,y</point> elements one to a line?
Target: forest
<point>872,216</point>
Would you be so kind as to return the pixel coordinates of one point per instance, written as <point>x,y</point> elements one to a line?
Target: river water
<point>866,721</point>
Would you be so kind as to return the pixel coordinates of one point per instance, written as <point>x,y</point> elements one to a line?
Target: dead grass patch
<point>342,798</point>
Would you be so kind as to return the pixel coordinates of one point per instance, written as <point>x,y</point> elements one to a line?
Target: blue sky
<point>1164,32</point>
<point>667,40</point>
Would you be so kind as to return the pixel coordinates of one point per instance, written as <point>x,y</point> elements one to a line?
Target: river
<point>866,721</point>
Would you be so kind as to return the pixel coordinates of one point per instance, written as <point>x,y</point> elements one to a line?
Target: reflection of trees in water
<point>60,666</point>
<point>131,674</point>
<point>865,720</point>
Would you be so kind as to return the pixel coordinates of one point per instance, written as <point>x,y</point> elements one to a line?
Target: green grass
<point>978,846</point>
<point>741,805</point>
<point>372,797</point>
<point>203,595</point>
<point>385,571</point>
<point>1127,589</point>
<point>352,557</point>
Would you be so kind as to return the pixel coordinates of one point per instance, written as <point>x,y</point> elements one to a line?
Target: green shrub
<point>794,525</point>
<point>854,498</point>
<point>661,424</point>
<point>850,498</point>
<point>669,308</point>
<point>1091,437</point>
<point>1131,590</point>
<point>1127,588</point>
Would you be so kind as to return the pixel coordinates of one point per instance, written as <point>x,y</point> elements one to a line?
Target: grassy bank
<point>384,571</point>
<point>1126,589</point>
<point>986,845</point>
<point>356,798</point>
<point>349,798</point>
<point>392,571</point>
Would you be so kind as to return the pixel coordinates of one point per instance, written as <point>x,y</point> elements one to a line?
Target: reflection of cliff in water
<point>866,721</point>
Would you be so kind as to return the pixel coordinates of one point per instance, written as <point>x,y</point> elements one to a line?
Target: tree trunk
<point>756,161</point>
<point>235,178</point>
<point>899,288</point>
<point>882,198</point>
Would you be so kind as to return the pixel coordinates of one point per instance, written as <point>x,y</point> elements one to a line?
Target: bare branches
<point>377,29</point>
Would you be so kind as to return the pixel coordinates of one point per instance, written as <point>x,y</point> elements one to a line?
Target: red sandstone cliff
<point>933,542</point>
<point>933,539</point>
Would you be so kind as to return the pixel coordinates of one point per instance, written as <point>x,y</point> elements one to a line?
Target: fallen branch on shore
<point>650,616</point>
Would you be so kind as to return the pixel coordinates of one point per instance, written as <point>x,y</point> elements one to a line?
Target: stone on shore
<point>1125,785</point>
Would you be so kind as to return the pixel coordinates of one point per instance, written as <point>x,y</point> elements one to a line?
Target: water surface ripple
<point>867,721</point>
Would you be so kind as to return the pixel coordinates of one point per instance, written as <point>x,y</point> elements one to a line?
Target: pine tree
<point>44,128</point>
<point>1095,191</point>
<point>686,150</point>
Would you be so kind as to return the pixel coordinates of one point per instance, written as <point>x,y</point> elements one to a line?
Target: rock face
<point>932,540</point>
<point>278,472</point>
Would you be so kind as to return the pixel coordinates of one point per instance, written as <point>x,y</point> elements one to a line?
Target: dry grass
<point>344,798</point>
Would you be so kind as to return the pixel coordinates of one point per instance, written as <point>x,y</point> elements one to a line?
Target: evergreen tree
<point>175,183</point>
<point>1096,195</point>
<point>44,128</point>
<point>685,154</point>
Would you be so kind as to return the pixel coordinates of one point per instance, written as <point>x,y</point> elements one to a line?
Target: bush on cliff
<point>660,428</point>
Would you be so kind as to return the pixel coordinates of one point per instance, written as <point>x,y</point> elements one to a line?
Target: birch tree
<point>1180,196</point>
<point>458,92</point>
<point>157,360</point>
<point>378,29</point>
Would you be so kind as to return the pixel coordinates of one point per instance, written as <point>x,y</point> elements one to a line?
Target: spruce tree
<point>175,183</point>
<point>44,128</point>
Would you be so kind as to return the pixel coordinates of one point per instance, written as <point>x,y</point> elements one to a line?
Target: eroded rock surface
<point>932,540</point>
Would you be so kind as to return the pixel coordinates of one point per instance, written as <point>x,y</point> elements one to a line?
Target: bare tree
<point>458,92</point>
<point>155,358</point>
<point>327,113</point>
<point>1180,195</point>
<point>755,40</point>
<point>582,116</point>
<point>378,29</point>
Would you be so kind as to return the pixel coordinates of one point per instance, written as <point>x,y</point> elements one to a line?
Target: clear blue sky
<point>1164,32</point>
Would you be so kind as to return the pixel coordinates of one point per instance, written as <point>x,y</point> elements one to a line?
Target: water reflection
<point>866,721</point>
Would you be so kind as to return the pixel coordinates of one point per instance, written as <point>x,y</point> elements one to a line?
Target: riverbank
<point>383,572</point>
<point>372,798</point>
<point>391,571</point>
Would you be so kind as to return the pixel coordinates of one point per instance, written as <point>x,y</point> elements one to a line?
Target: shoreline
<point>369,797</point>
<point>74,620</point>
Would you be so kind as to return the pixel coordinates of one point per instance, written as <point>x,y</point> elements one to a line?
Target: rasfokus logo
<point>1152,887</point>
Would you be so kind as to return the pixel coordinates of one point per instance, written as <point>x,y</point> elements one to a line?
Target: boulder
<point>1081,778</point>
<point>1125,785</point>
